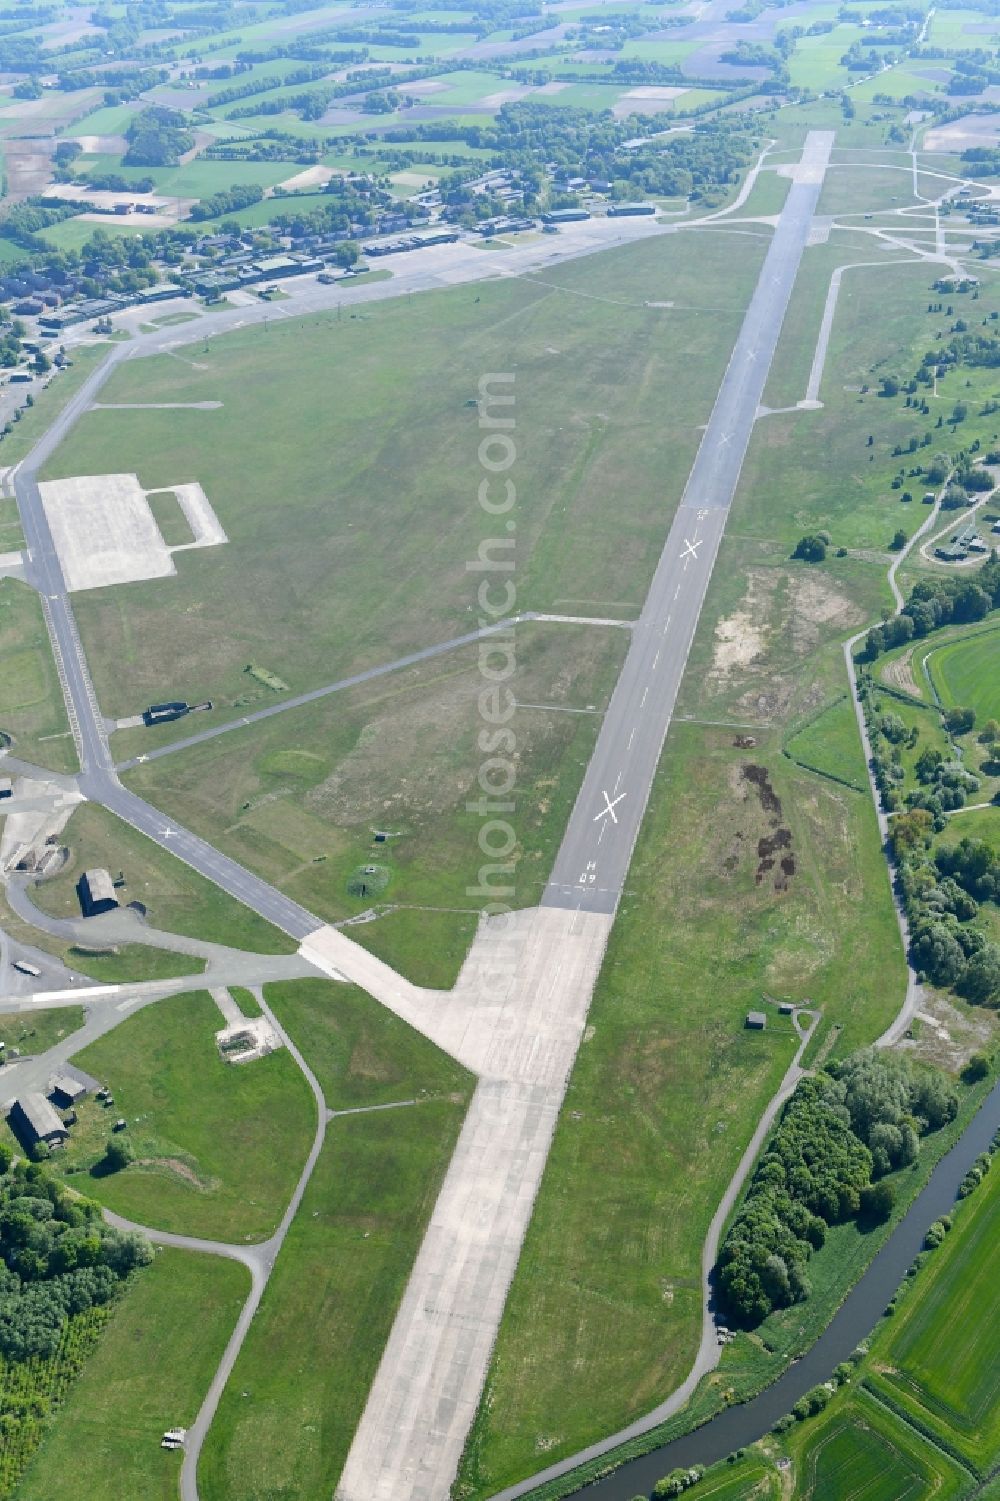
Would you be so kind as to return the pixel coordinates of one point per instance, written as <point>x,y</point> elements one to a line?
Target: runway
<point>593,859</point>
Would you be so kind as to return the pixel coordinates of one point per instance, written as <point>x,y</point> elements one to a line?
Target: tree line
<point>842,1132</point>
<point>57,1259</point>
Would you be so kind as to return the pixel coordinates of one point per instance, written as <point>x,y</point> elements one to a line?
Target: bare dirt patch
<point>899,674</point>
<point>785,613</point>
<point>947,1033</point>
<point>774,850</point>
<point>28,165</point>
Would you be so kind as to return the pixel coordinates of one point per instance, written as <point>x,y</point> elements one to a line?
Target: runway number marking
<point>609,807</point>
<point>589,876</point>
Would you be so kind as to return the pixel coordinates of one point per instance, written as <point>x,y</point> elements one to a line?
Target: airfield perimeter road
<point>594,856</point>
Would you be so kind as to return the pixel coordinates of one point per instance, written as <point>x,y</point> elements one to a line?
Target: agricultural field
<point>175,897</point>
<point>858,1448</point>
<point>938,1357</point>
<point>202,1132</point>
<point>967,672</point>
<point>149,1370</point>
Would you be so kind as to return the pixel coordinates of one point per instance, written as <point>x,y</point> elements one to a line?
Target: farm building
<point>33,1117</point>
<point>630,210</point>
<point>756,1020</point>
<point>97,892</point>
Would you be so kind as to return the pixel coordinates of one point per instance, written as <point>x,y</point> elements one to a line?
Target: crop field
<point>290,1409</point>
<point>300,797</point>
<point>177,899</point>
<point>940,1355</point>
<point>217,1147</point>
<point>967,672</point>
<point>663,1096</point>
<point>361,1054</point>
<point>336,558</point>
<point>152,1364</point>
<point>858,1451</point>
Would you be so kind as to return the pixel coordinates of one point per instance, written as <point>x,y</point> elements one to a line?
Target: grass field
<point>31,703</point>
<point>831,743</point>
<point>177,899</point>
<point>149,1372</point>
<point>967,672</point>
<point>218,1147</point>
<point>33,1032</point>
<point>816,470</point>
<point>939,1355</point>
<point>299,797</point>
<point>360,1053</point>
<point>290,1409</point>
<point>664,1095</point>
<point>857,1449</point>
<point>333,499</point>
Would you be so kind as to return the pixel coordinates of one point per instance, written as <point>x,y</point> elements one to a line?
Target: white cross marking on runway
<point>609,807</point>
<point>724,439</point>
<point>691,548</point>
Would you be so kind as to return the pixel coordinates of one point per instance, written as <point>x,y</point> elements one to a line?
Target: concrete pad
<point>206,528</point>
<point>521,1000</point>
<point>104,531</point>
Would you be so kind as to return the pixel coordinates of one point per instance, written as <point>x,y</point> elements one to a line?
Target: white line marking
<point>609,806</point>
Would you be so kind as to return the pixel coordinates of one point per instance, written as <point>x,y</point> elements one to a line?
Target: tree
<point>811,548</point>
<point>977,1068</point>
<point>346,255</point>
<point>898,540</point>
<point>980,981</point>
<point>990,732</point>
<point>877,1201</point>
<point>117,1155</point>
<point>959,720</point>
<point>912,830</point>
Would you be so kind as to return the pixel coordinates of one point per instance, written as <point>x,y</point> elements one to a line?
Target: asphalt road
<point>594,856</point>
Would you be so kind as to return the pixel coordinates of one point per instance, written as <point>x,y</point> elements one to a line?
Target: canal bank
<point>739,1426</point>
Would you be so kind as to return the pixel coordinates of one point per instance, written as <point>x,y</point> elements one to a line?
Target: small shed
<point>756,1020</point>
<point>66,1090</point>
<point>97,892</point>
<point>6,787</point>
<point>786,1008</point>
<point>35,1118</point>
